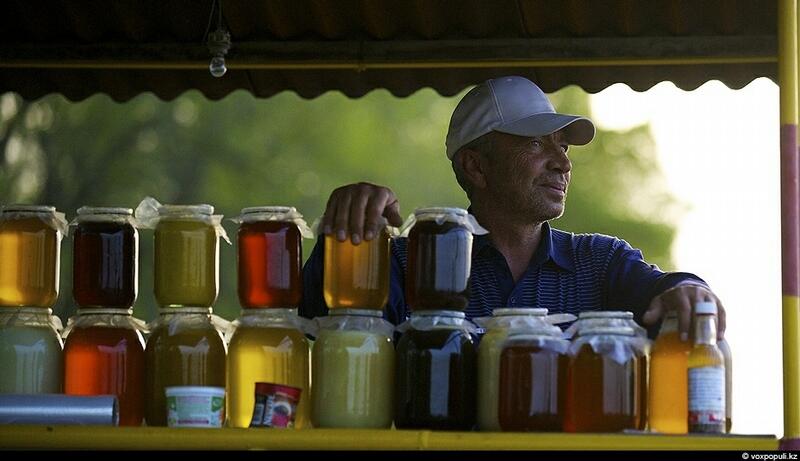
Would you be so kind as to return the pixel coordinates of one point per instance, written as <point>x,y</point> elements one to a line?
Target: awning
<point>127,47</point>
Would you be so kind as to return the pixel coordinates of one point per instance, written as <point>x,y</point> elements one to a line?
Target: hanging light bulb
<point>219,42</point>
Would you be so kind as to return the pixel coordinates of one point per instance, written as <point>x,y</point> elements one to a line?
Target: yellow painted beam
<point>791,366</point>
<point>152,438</point>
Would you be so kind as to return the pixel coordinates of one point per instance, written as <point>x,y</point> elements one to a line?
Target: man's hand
<point>681,299</point>
<point>355,210</point>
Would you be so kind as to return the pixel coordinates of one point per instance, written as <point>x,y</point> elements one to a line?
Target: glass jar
<point>592,319</point>
<point>270,257</point>
<point>30,254</point>
<point>439,259</point>
<point>105,258</point>
<point>353,369</point>
<point>104,355</point>
<point>436,372</point>
<point>267,346</point>
<point>357,276</point>
<point>604,380</point>
<point>186,256</point>
<point>31,351</point>
<point>497,327</point>
<point>533,374</point>
<point>184,349</point>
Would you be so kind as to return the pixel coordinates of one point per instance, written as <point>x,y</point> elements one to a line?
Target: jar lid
<point>613,331</point>
<point>18,208</point>
<point>104,311</point>
<point>356,312</point>
<point>508,311</point>
<point>533,334</point>
<point>92,210</point>
<point>606,315</point>
<point>202,209</point>
<point>26,310</point>
<point>269,209</point>
<point>184,310</point>
<point>440,210</point>
<point>439,313</point>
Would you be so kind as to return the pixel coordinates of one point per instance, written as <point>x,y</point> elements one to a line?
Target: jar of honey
<point>592,319</point>
<point>31,351</point>
<point>357,276</point>
<point>186,263</point>
<point>105,258</point>
<point>353,366</point>
<point>185,348</point>
<point>270,256</point>
<point>533,373</point>
<point>439,258</point>
<point>30,254</point>
<point>267,346</point>
<point>604,380</point>
<point>497,328</point>
<point>436,372</point>
<point>104,355</point>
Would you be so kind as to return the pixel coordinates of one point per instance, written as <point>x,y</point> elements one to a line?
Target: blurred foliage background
<point>241,151</point>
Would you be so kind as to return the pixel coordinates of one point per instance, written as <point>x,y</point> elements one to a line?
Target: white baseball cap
<point>512,105</point>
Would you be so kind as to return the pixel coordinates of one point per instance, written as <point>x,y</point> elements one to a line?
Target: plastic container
<point>31,351</point>
<point>353,363</point>
<point>185,349</point>
<point>195,406</point>
<point>105,258</point>
<point>276,406</point>
<point>436,372</point>
<point>30,253</point>
<point>604,381</point>
<point>269,346</point>
<point>104,355</point>
<point>270,256</point>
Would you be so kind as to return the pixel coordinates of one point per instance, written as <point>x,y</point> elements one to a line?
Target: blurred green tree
<point>242,151</point>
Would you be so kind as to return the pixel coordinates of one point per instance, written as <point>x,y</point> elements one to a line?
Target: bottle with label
<point>668,379</point>
<point>706,374</point>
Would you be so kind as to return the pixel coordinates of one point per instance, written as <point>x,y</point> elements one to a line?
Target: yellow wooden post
<point>790,219</point>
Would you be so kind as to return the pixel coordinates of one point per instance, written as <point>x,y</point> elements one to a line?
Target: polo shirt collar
<point>557,250</point>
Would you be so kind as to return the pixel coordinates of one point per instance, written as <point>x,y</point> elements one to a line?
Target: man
<point>508,149</point>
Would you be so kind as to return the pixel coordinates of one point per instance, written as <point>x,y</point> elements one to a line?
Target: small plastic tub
<point>195,406</point>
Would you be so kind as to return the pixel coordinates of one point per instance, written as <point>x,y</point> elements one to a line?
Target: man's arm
<point>634,283</point>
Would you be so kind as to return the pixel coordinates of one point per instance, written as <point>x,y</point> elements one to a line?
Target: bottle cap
<point>705,307</point>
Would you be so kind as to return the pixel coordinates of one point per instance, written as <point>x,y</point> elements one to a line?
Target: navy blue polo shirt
<point>568,273</point>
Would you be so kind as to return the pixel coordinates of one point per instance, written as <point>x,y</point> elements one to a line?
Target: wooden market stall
<point>127,47</point>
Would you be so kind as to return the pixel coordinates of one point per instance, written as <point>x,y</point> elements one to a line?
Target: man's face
<point>529,176</point>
